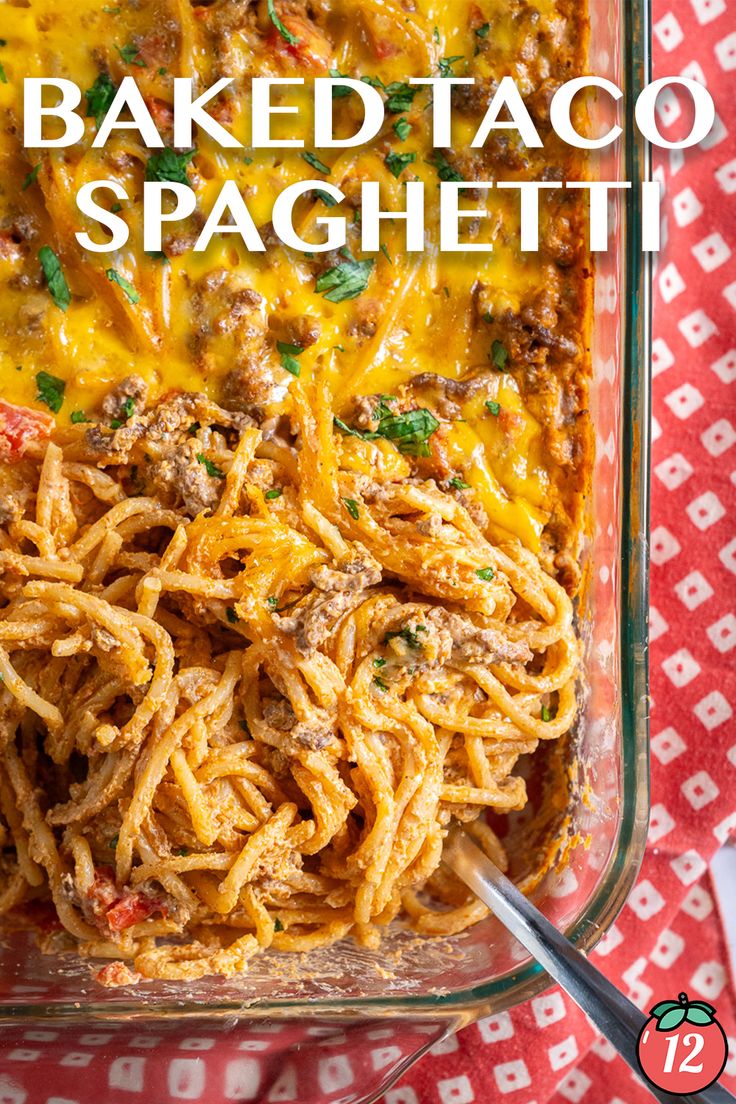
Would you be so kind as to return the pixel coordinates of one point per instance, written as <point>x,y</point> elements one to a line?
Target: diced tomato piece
<point>117,973</point>
<point>382,48</point>
<point>19,426</point>
<point>131,909</point>
<point>380,29</point>
<point>102,894</point>
<point>115,910</point>
<point>312,49</point>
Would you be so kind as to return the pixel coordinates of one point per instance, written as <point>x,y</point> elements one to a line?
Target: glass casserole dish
<point>358,1018</point>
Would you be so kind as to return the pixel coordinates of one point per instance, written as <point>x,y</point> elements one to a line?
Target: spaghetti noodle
<point>279,706</point>
<point>279,607</point>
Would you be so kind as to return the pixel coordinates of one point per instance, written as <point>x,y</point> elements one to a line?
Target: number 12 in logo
<point>682,1048</point>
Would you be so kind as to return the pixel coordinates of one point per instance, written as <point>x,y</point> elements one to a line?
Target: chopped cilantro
<point>115,278</point>
<point>493,406</point>
<point>458,484</point>
<point>277,925</point>
<point>313,160</point>
<point>58,287</point>
<point>546,713</point>
<point>210,467</point>
<point>378,681</point>
<point>231,615</point>
<point>499,355</point>
<point>341,92</point>
<point>283,31</point>
<point>128,407</point>
<point>407,635</point>
<point>400,97</point>
<point>436,34</point>
<point>130,55</point>
<point>402,128</point>
<point>482,32</point>
<point>410,431</point>
<point>193,429</point>
<point>445,65</point>
<point>31,178</point>
<point>352,508</point>
<point>284,347</point>
<point>325,197</point>
<point>348,430</point>
<point>116,207</point>
<point>114,842</point>
<point>77,417</point>
<point>100,97</point>
<point>180,852</point>
<point>110,11</point>
<point>445,170</point>
<point>380,662</point>
<point>275,492</point>
<point>486,573</point>
<point>346,280</point>
<point>3,75</point>
<point>397,162</point>
<point>383,409</point>
<point>288,354</point>
<point>168,165</point>
<point>272,602</point>
<point>387,255</point>
<point>488,317</point>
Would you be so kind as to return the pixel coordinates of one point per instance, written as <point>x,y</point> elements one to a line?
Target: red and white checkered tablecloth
<point>668,937</point>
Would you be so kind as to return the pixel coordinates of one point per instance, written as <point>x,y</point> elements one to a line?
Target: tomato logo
<point>682,1048</point>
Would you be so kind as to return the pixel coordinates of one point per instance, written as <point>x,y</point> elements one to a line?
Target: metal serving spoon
<point>612,1013</point>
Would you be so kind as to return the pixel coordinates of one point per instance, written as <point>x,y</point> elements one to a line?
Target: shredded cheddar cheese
<point>426,313</point>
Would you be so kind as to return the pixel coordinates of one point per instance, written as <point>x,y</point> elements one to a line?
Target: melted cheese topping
<point>418,314</point>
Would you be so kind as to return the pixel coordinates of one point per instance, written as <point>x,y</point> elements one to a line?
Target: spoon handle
<point>615,1016</point>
